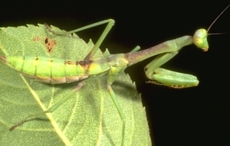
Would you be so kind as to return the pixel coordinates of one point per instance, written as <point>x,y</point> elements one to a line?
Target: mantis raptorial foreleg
<point>165,77</point>
<point>174,79</point>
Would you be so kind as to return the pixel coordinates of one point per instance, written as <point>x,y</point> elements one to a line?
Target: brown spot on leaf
<point>50,44</point>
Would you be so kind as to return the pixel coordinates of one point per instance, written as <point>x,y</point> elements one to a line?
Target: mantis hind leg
<point>110,23</point>
<point>50,110</point>
<point>166,77</point>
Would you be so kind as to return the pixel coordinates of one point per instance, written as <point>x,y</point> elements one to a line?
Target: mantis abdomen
<point>54,70</point>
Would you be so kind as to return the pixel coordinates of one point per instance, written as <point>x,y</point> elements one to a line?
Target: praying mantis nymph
<point>59,71</point>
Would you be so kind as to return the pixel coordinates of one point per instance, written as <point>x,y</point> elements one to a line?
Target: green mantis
<point>59,71</point>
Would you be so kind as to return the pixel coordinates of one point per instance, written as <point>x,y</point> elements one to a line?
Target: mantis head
<point>200,36</point>
<point>200,39</point>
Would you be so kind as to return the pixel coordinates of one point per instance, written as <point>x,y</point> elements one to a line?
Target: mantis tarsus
<point>65,71</point>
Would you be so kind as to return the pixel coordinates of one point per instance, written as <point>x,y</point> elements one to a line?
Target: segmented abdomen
<point>53,70</point>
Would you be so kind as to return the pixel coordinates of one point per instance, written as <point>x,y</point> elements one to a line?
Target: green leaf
<point>89,117</point>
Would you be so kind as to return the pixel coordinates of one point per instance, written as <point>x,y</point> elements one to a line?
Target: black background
<point>195,116</point>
